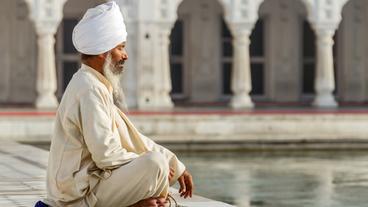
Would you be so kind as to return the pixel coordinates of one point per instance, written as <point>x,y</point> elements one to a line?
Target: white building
<point>292,56</point>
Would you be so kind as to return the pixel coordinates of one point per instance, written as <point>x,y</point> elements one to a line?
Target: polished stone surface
<point>23,176</point>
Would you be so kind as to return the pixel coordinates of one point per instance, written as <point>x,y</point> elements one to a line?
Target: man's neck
<point>94,66</point>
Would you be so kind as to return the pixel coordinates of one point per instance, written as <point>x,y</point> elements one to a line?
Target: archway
<point>285,61</point>
<point>352,64</point>
<point>67,58</point>
<point>195,52</point>
<point>18,43</point>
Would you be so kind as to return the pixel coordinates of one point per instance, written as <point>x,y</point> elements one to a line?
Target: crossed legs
<point>143,179</point>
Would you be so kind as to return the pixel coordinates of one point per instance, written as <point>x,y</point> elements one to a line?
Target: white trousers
<point>144,177</point>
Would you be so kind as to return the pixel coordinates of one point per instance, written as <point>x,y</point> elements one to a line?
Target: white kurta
<point>94,142</point>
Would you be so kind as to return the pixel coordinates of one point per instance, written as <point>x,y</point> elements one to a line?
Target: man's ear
<point>103,56</point>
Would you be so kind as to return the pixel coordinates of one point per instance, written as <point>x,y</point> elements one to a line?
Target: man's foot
<point>151,202</point>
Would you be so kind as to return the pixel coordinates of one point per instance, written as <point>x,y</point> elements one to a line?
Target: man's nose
<point>125,56</point>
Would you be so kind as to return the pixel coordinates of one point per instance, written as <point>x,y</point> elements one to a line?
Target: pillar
<point>164,85</point>
<point>46,70</point>
<point>241,81</point>
<point>46,16</point>
<point>324,80</point>
<point>325,17</point>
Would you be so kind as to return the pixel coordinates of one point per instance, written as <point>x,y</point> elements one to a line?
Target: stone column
<point>164,76</point>
<point>46,70</point>
<point>324,80</point>
<point>241,83</point>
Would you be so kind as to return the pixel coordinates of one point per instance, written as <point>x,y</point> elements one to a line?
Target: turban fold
<point>101,29</point>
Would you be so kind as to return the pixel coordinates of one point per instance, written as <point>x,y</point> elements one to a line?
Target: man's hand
<point>186,184</point>
<point>171,174</point>
<point>151,202</point>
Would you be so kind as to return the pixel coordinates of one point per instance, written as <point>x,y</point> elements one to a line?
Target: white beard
<point>111,74</point>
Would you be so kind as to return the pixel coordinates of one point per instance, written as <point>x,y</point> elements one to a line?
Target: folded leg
<point>144,177</point>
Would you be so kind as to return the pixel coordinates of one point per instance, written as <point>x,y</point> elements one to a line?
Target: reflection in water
<point>310,179</point>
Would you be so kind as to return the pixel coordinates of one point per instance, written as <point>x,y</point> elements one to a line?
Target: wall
<point>18,54</point>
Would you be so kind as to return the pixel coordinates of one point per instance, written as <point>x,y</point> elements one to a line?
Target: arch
<point>216,3</point>
<point>226,8</point>
<point>302,3</point>
<point>343,4</point>
<point>67,58</point>
<point>177,3</point>
<point>188,50</point>
<point>309,6</point>
<point>29,5</point>
<point>18,43</point>
<point>284,58</point>
<point>78,8</point>
<point>351,62</point>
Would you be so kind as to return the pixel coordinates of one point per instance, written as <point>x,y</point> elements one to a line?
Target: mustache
<point>121,62</point>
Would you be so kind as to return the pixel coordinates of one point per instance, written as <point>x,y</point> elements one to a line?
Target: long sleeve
<point>97,125</point>
<point>135,141</point>
<point>174,162</point>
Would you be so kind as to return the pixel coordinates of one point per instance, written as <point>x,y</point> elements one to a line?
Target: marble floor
<point>23,172</point>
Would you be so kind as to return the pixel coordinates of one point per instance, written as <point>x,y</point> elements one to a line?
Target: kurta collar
<point>99,76</point>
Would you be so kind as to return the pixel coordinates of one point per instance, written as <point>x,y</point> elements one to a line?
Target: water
<point>282,179</point>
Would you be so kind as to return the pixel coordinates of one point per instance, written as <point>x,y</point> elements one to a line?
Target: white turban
<point>101,29</point>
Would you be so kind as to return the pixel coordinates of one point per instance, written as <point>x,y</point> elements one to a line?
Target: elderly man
<point>97,156</point>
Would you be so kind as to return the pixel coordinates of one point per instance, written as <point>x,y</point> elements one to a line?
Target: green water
<point>282,179</point>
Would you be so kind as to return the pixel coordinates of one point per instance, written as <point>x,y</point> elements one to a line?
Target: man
<point>97,156</point>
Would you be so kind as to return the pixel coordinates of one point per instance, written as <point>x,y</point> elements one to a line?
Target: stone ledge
<point>215,128</point>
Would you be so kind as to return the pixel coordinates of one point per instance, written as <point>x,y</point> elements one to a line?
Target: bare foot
<point>151,202</point>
